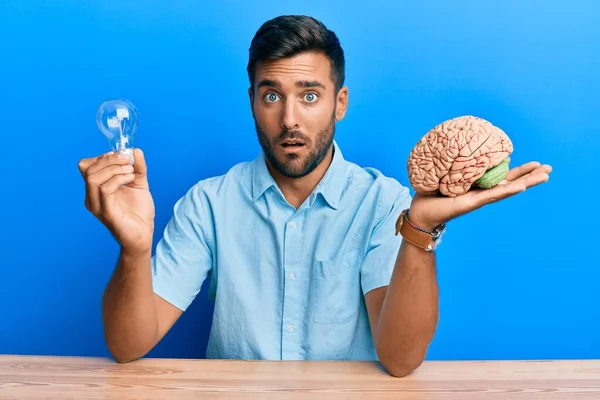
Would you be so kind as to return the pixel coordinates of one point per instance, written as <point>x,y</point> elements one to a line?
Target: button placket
<point>293,237</point>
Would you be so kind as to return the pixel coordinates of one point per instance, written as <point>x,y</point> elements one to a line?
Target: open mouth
<point>291,144</point>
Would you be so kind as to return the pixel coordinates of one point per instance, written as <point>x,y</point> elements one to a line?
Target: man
<point>300,245</point>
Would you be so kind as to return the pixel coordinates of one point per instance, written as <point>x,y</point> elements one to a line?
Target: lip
<point>291,149</point>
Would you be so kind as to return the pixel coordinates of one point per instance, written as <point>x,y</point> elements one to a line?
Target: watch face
<point>438,240</point>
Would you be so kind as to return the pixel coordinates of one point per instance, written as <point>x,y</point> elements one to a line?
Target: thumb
<point>140,169</point>
<point>139,165</point>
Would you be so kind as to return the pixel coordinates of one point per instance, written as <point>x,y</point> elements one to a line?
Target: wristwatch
<point>423,239</point>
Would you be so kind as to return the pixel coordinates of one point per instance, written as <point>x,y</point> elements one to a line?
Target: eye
<point>271,97</point>
<point>311,97</point>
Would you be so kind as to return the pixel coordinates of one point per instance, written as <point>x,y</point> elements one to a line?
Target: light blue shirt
<point>287,284</point>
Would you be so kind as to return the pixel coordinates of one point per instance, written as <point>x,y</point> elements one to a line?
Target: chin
<point>292,166</point>
<point>292,169</point>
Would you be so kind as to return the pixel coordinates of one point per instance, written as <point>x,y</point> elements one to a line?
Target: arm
<point>135,316</point>
<point>135,319</point>
<point>404,315</point>
<point>146,295</point>
<point>400,287</point>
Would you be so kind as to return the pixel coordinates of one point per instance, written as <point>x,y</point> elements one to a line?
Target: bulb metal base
<point>129,152</point>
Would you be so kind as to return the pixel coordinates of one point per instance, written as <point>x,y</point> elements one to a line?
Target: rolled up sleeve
<point>183,259</point>
<point>382,252</point>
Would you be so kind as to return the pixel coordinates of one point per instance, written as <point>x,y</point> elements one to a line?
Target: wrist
<point>421,222</point>
<point>134,253</point>
<point>419,231</point>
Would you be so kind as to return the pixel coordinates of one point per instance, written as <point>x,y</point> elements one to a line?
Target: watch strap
<point>415,235</point>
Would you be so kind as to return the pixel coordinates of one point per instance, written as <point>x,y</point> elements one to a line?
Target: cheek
<point>316,118</point>
<point>267,119</point>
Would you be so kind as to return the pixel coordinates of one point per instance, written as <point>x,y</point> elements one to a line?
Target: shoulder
<point>387,192</point>
<point>236,179</point>
<point>373,177</point>
<point>196,205</point>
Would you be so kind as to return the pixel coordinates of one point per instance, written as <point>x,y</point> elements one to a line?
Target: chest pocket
<point>337,296</point>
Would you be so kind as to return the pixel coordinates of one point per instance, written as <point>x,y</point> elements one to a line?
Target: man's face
<point>295,107</point>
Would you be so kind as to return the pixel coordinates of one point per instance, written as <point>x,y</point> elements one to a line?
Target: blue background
<point>518,279</point>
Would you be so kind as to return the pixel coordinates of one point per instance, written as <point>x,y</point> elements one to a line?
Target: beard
<point>294,166</point>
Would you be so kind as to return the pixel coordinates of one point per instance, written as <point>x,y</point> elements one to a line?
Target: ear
<point>341,104</point>
<point>251,96</point>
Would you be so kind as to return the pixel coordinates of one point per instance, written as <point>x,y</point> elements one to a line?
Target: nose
<point>289,119</point>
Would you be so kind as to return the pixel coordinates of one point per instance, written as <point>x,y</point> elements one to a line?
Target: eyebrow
<point>268,83</point>
<point>309,84</point>
<point>300,84</point>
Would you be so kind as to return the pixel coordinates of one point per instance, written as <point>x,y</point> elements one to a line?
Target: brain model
<point>458,154</point>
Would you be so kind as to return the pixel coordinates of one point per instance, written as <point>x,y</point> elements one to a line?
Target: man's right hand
<point>118,194</point>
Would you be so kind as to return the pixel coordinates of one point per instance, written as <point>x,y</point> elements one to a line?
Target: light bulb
<point>118,120</point>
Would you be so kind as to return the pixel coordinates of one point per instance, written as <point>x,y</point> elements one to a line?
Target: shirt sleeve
<point>183,258</point>
<point>382,251</point>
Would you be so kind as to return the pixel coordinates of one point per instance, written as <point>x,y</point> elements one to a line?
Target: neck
<point>297,190</point>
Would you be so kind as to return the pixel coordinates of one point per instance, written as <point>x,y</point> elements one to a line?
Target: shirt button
<point>292,276</point>
<point>290,328</point>
<point>292,224</point>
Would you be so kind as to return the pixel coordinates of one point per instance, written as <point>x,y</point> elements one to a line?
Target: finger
<point>140,162</point>
<point>96,180</point>
<point>113,184</point>
<point>106,160</point>
<point>140,170</point>
<point>108,189</point>
<point>534,178</point>
<point>83,166</point>
<point>497,193</point>
<point>541,169</point>
<point>85,163</point>
<point>500,192</point>
<point>521,170</point>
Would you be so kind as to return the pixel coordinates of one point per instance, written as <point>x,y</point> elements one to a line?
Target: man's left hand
<point>427,212</point>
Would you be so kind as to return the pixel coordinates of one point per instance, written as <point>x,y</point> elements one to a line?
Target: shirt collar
<point>261,177</point>
<point>330,187</point>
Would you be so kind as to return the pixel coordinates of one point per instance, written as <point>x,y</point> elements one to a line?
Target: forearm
<point>128,308</point>
<point>409,313</point>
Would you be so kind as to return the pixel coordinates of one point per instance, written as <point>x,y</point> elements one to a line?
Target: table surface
<point>65,378</point>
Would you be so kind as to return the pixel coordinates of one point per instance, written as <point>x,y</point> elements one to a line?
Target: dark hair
<point>288,35</point>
